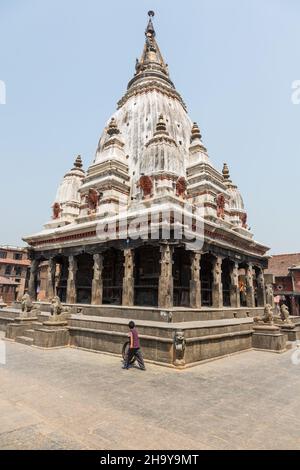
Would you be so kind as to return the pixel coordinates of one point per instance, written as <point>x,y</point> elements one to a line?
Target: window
<point>18,256</point>
<point>8,270</point>
<point>3,254</point>
<point>18,271</point>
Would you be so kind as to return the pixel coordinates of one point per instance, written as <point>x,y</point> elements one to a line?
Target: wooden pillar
<point>165,288</point>
<point>97,284</point>
<point>217,288</point>
<point>128,279</point>
<point>235,300</point>
<point>71,285</point>
<point>195,283</point>
<point>249,286</point>
<point>261,290</point>
<point>33,279</point>
<point>50,289</point>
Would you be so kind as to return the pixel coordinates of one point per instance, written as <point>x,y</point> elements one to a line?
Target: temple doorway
<point>181,277</point>
<point>84,278</point>
<point>113,272</point>
<point>146,273</point>
<point>206,276</point>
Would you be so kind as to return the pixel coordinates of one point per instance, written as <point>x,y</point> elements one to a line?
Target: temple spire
<point>226,174</point>
<point>150,31</point>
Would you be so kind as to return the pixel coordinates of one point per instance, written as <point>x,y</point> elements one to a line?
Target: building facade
<point>286,271</point>
<point>151,222</point>
<point>14,267</point>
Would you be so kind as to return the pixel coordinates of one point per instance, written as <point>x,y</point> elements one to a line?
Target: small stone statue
<point>179,343</point>
<point>56,307</point>
<point>58,312</point>
<point>268,316</point>
<point>285,314</point>
<point>27,304</point>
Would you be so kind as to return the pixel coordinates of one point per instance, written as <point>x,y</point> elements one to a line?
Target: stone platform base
<point>269,338</point>
<point>177,344</point>
<point>171,344</point>
<point>292,332</point>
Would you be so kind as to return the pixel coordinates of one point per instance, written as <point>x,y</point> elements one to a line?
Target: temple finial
<point>225,172</point>
<point>78,162</point>
<point>196,132</point>
<point>161,125</point>
<point>113,128</point>
<point>150,31</point>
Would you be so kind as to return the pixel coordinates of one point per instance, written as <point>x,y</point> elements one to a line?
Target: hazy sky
<point>67,62</point>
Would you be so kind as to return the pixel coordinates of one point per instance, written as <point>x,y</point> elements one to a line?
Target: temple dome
<point>236,201</point>
<point>161,154</point>
<point>68,190</point>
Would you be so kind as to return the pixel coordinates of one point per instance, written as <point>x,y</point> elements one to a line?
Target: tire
<point>124,352</point>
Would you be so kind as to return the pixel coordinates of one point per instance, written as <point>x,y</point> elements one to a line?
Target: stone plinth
<point>51,336</point>
<point>268,338</point>
<point>291,331</point>
<point>18,327</point>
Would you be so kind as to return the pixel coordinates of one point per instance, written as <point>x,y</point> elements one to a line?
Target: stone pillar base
<point>195,294</point>
<point>250,297</point>
<point>217,295</point>
<point>235,297</point>
<point>128,292</point>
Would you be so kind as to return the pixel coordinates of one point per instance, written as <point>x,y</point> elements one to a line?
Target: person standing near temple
<point>134,349</point>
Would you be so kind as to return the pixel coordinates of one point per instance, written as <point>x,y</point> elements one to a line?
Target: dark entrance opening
<point>84,278</point>
<point>206,276</point>
<point>113,272</point>
<point>181,277</point>
<point>61,278</point>
<point>146,275</point>
<point>226,281</point>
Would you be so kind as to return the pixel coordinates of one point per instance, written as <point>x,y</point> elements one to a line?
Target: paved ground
<point>73,399</point>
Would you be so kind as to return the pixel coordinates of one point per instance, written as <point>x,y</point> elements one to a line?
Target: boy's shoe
<point>125,367</point>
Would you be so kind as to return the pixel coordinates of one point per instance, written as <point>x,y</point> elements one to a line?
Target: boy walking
<point>134,348</point>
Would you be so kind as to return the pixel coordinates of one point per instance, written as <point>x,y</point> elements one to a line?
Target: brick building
<point>14,269</point>
<point>7,290</point>
<point>286,271</point>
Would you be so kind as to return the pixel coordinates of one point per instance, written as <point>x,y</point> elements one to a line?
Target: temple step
<point>24,340</point>
<point>29,333</point>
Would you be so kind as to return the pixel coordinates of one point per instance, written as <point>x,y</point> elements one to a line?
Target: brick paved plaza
<point>73,399</point>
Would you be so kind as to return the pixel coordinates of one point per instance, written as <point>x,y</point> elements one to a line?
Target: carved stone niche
<point>220,200</point>
<point>243,219</point>
<point>146,185</point>
<point>56,211</point>
<point>92,200</point>
<point>181,187</point>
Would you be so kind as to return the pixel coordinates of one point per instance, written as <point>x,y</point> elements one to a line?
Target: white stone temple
<point>151,222</point>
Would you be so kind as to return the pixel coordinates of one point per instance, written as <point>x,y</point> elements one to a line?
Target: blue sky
<point>66,63</point>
